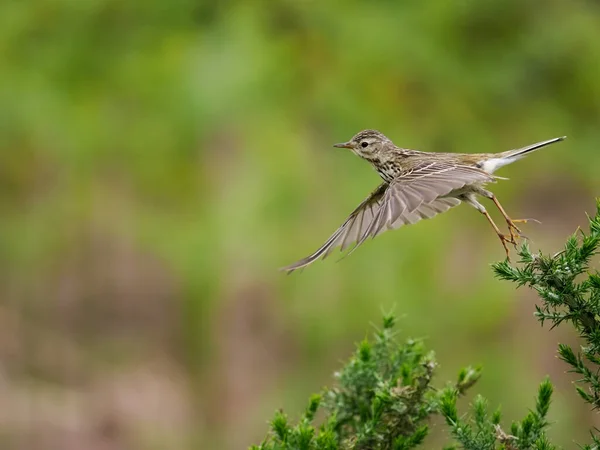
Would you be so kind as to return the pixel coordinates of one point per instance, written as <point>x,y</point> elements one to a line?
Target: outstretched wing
<point>350,231</point>
<point>416,190</point>
<point>418,194</point>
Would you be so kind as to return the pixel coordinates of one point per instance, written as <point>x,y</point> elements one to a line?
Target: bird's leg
<point>503,238</point>
<point>513,229</point>
<point>471,200</point>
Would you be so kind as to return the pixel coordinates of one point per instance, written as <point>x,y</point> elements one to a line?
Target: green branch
<point>569,292</point>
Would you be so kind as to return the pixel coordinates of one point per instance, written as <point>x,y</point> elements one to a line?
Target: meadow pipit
<point>418,185</point>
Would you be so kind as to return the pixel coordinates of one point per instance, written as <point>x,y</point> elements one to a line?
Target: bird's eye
<point>364,144</point>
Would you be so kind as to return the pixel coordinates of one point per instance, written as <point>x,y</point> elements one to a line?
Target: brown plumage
<point>417,185</point>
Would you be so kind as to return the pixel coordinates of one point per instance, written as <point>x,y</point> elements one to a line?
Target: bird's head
<point>367,144</point>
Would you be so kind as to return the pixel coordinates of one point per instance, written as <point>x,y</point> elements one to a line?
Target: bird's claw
<point>526,220</point>
<point>515,231</point>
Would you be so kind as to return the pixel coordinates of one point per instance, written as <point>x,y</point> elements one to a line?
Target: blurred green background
<point>160,160</point>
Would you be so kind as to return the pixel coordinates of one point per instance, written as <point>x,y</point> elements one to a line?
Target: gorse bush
<point>384,397</point>
<point>481,430</point>
<point>569,292</point>
<point>382,400</point>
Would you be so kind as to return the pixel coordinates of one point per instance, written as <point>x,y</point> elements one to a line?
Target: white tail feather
<point>502,159</point>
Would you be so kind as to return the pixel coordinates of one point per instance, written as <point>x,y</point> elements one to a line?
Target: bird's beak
<point>343,145</point>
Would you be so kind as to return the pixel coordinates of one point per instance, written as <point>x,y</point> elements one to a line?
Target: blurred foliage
<point>383,400</point>
<point>159,161</point>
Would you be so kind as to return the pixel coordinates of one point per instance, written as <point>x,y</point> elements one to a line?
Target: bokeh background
<point>160,160</point>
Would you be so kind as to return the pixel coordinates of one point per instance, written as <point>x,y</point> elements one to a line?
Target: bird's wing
<point>411,195</point>
<point>350,231</point>
<point>409,198</point>
<point>425,211</point>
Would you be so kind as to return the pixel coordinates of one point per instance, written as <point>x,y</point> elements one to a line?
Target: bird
<point>419,185</point>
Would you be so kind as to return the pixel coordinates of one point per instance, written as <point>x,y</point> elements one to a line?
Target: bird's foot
<point>523,220</point>
<point>515,231</point>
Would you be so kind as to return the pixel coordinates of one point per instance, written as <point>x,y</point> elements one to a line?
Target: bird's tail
<point>497,160</point>
<point>513,155</point>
